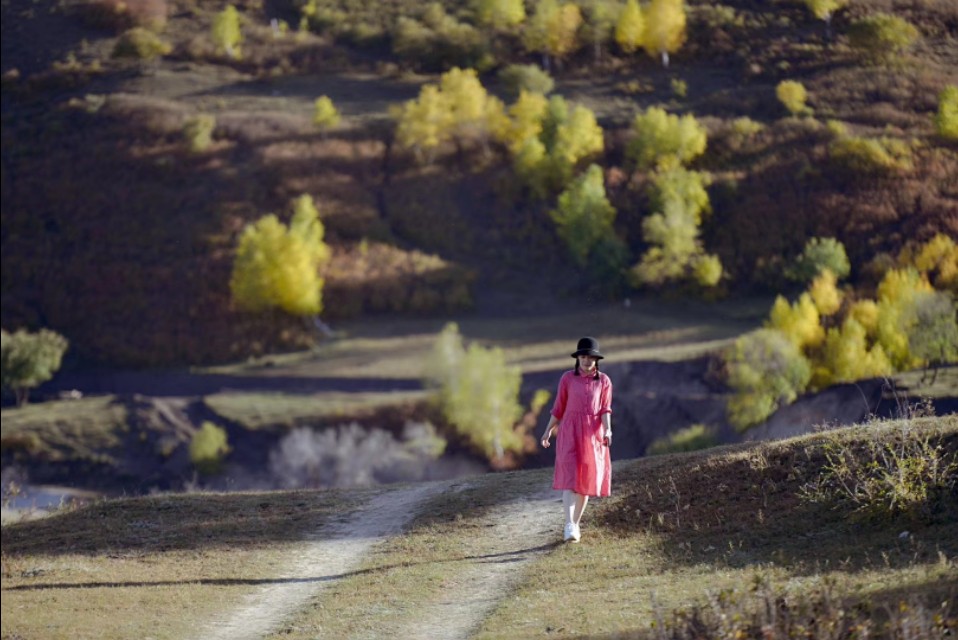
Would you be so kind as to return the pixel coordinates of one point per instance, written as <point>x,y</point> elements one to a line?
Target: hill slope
<point>685,539</point>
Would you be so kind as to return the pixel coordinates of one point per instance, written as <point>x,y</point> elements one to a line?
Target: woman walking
<point>582,415</point>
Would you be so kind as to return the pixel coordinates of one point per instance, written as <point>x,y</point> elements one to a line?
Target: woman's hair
<point>595,377</point>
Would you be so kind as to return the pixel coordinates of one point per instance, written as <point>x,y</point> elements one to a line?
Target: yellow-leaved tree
<point>478,394</point>
<point>800,321</point>
<point>226,32</point>
<point>824,10</point>
<point>897,294</point>
<point>664,28</point>
<point>500,14</point>
<point>825,293</point>
<point>552,30</point>
<point>325,114</point>
<point>278,266</point>
<point>847,355</point>
<point>630,28</point>
<point>458,108</point>
<point>660,137</point>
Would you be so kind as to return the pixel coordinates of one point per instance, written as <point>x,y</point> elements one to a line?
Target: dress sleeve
<point>562,396</point>
<point>605,396</point>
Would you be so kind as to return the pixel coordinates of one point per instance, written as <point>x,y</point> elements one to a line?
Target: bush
<point>880,37</point>
<point>819,254</point>
<point>793,95</point>
<point>517,78</point>
<point>208,447</point>
<point>910,476</point>
<point>29,359</point>
<point>437,41</point>
<point>325,114</point>
<point>946,120</point>
<point>765,370</point>
<point>140,43</point>
<point>198,132</point>
<point>870,156</point>
<point>692,438</point>
<point>226,32</point>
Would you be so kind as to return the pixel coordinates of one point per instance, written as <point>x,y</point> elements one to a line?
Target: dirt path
<point>518,532</point>
<point>521,531</point>
<point>336,550</point>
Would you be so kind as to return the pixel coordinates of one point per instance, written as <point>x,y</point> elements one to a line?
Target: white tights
<point>573,504</point>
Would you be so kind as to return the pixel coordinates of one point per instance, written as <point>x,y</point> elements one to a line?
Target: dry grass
<point>679,527</point>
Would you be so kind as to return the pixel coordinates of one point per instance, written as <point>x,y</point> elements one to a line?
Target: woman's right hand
<point>545,439</point>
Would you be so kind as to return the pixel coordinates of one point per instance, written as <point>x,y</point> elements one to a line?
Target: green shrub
<point>198,132</point>
<point>29,359</point>
<point>870,156</point>
<point>819,254</point>
<point>882,36</point>
<point>765,370</point>
<point>516,78</point>
<point>909,476</point>
<point>208,447</point>
<point>437,41</point>
<point>946,120</point>
<point>142,43</point>
<point>660,137</point>
<point>692,438</point>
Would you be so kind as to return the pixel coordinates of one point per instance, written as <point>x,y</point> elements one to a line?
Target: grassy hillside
<point>705,544</point>
<point>119,237</point>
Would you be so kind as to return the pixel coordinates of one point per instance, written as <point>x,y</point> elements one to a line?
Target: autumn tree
<point>660,137</point>
<point>848,355</point>
<point>664,28</point>
<point>897,294</point>
<point>552,30</point>
<point>584,215</point>
<point>679,201</point>
<point>936,260</point>
<point>824,10</point>
<point>946,119</point>
<point>29,359</point>
<point>478,393</point>
<point>766,370</point>
<point>548,141</point>
<point>456,109</point>
<point>799,321</point>
<point>226,32</point>
<point>601,17</point>
<point>278,266</point>
<point>208,446</point>
<point>630,27</point>
<point>501,15</point>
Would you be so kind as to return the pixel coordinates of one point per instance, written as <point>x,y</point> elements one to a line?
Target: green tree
<point>664,28</point>
<point>882,36</point>
<point>766,370</point>
<point>208,447</point>
<point>946,120</point>
<point>630,28</point>
<point>584,215</point>
<point>600,23</point>
<point>325,114</point>
<point>278,267</point>
<point>819,254</point>
<point>226,32</point>
<point>517,78</point>
<point>793,95</point>
<point>29,359</point>
<point>933,329</point>
<point>478,394</point>
<point>660,137</point>
<point>500,14</point>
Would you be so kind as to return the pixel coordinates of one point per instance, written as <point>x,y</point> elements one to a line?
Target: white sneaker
<point>569,532</point>
<point>576,534</point>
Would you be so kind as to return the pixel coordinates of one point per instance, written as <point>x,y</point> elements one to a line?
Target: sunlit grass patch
<point>65,428</point>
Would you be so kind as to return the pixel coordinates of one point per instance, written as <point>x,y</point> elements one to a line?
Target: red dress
<point>582,460</point>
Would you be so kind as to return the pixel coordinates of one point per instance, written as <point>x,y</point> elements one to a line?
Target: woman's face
<point>587,363</point>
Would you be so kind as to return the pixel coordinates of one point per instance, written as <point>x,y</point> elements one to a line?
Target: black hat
<point>587,347</point>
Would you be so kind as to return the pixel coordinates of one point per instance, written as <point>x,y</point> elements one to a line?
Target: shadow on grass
<point>492,558</point>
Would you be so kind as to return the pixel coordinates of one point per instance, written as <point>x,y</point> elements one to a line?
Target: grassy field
<point>721,530</point>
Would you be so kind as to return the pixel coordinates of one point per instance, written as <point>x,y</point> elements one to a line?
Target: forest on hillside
<point>409,158</point>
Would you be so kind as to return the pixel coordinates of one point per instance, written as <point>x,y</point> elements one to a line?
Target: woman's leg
<point>569,505</point>
<point>580,502</point>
